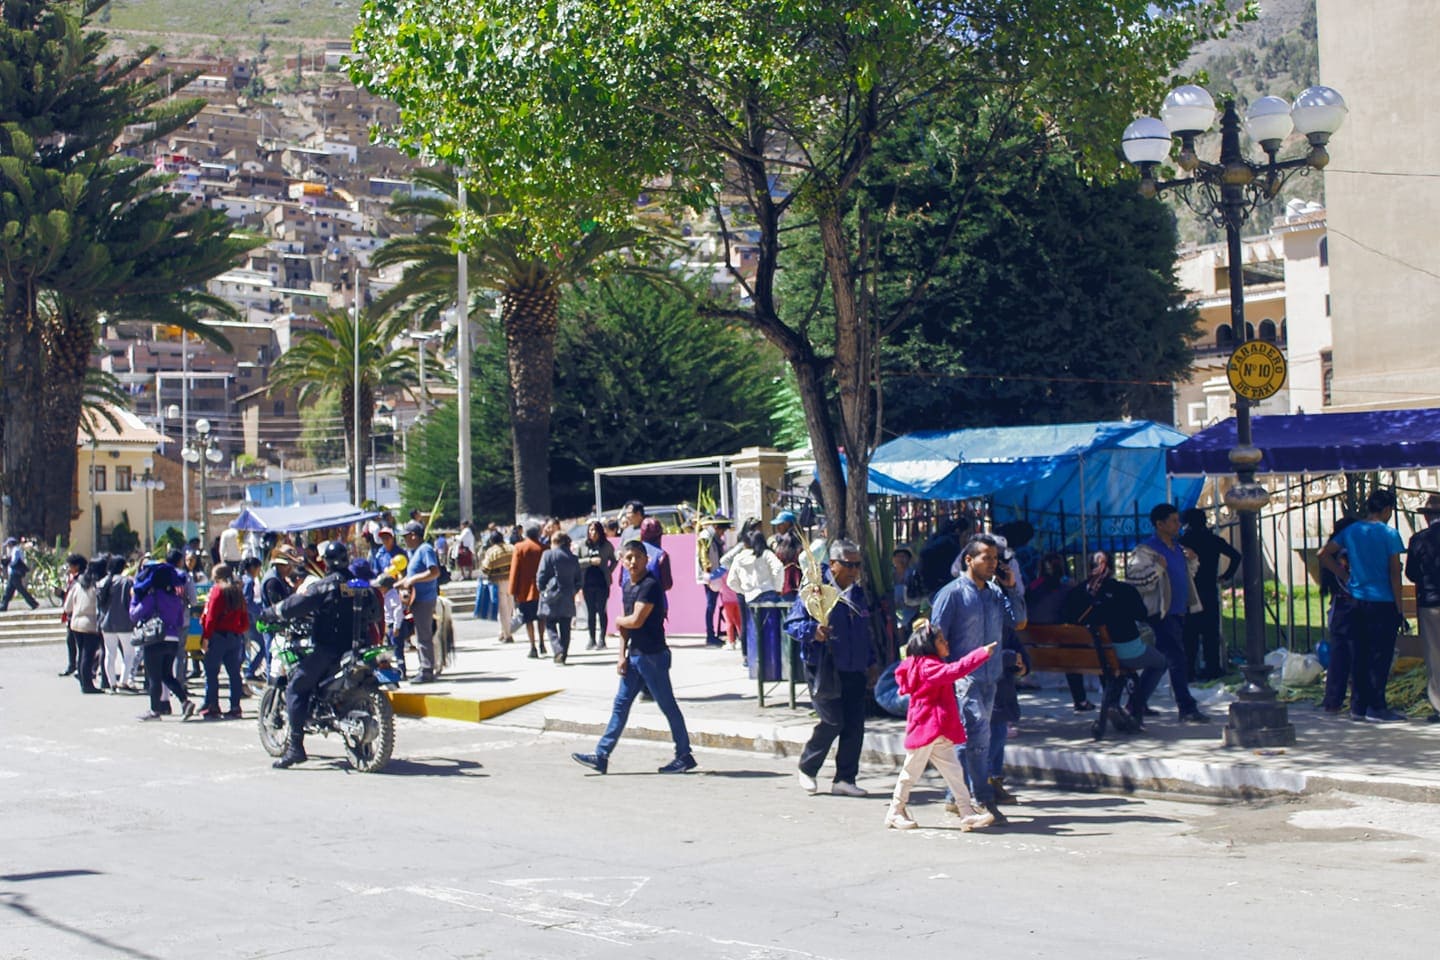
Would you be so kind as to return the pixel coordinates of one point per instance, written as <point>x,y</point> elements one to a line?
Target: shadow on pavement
<point>432,767</point>
<point>46,875</point>
<point>746,774</point>
<point>15,902</point>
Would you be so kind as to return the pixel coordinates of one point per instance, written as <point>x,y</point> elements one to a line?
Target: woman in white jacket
<point>756,575</point>
<point>84,618</point>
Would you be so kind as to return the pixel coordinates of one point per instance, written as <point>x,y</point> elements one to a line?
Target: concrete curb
<point>1046,766</point>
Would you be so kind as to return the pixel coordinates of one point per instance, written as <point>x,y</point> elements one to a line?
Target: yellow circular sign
<point>1256,370</point>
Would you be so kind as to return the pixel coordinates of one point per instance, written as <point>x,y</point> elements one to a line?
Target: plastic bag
<point>1301,670</point>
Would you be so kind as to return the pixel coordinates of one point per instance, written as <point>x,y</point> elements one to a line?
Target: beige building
<point>1382,192</point>
<point>1287,303</point>
<point>109,469</point>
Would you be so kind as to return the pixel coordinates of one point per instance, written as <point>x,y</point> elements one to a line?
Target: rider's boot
<point>294,753</point>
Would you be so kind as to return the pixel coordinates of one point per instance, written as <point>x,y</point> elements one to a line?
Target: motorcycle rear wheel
<point>273,721</point>
<point>370,757</point>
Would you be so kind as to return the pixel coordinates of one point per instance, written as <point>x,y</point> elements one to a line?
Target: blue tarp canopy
<point>1107,472</point>
<point>306,517</point>
<point>1319,443</point>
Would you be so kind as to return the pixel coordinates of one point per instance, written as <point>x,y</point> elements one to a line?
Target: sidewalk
<point>1052,745</point>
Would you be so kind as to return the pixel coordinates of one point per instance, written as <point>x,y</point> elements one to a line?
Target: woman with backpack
<point>154,599</point>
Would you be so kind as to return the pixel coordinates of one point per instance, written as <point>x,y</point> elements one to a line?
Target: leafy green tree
<point>783,102</point>
<point>1053,299</point>
<point>641,375</point>
<point>321,364</point>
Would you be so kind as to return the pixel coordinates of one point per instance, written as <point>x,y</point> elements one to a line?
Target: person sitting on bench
<point>1103,601</point>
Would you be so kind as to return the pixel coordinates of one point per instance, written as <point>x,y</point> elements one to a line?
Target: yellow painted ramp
<point>456,708</point>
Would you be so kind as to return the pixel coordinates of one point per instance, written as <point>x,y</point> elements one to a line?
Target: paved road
<point>177,840</point>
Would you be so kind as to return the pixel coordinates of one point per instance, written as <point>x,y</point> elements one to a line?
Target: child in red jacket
<point>933,726</point>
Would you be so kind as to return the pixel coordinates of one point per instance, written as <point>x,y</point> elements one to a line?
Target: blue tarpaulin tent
<point>1106,472</point>
<point>1319,443</point>
<point>307,517</point>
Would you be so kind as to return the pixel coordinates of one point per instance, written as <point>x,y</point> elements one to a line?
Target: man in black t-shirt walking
<point>644,661</point>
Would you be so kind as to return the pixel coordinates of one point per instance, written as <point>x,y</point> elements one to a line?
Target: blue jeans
<point>1337,674</point>
<point>262,653</point>
<point>1152,666</point>
<point>999,731</point>
<point>645,670</point>
<point>1170,641</point>
<point>976,707</point>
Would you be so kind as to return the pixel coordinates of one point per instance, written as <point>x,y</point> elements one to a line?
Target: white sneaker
<point>807,782</point>
<point>898,819</point>
<point>841,788</point>
<point>976,820</point>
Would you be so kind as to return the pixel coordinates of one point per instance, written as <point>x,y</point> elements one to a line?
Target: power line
<point>1383,255</point>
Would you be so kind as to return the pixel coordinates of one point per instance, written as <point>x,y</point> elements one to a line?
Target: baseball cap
<point>784,516</point>
<point>415,527</point>
<point>386,532</point>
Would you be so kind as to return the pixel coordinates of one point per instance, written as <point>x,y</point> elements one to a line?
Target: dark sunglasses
<point>849,564</point>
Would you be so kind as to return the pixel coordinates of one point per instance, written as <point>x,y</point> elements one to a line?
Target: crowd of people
<point>958,606</point>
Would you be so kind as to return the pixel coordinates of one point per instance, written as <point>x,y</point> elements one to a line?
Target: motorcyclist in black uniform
<point>332,636</point>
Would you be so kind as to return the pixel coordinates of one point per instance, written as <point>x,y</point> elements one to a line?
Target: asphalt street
<point>177,840</point>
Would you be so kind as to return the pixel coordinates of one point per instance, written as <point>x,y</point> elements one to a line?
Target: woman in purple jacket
<point>154,596</point>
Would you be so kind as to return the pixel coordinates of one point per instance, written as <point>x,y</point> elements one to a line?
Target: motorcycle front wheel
<point>273,722</point>
<point>370,753</point>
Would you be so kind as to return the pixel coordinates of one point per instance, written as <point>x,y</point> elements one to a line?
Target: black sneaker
<point>1000,819</point>
<point>679,765</point>
<point>593,760</point>
<point>1194,716</point>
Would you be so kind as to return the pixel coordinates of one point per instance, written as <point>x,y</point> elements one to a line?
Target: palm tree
<point>529,288</point>
<point>321,364</point>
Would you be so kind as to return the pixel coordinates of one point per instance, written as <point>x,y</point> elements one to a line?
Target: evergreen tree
<point>86,231</point>
<point>641,375</point>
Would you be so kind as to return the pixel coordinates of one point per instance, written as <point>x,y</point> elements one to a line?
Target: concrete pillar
<point>759,478</point>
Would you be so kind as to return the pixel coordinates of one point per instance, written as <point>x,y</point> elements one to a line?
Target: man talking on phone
<point>973,611</point>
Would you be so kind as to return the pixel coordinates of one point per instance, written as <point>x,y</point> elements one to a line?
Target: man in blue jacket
<point>837,655</point>
<point>973,611</point>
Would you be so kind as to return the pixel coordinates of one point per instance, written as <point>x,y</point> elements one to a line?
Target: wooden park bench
<point>1068,648</point>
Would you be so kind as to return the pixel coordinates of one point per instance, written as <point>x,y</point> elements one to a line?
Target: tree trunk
<point>530,313</point>
<point>853,351</point>
<point>20,389</point>
<point>68,339</point>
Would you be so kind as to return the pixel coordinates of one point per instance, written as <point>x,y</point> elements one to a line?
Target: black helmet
<point>337,555</point>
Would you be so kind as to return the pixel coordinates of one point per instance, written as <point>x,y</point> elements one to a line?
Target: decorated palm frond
<point>820,598</point>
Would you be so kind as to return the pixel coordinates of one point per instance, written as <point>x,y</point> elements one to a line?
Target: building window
<point>122,479</point>
<point>97,479</point>
<point>1267,330</point>
<point>278,409</point>
<point>1324,251</point>
<point>1224,336</point>
<point>1249,330</point>
<point>1327,304</point>
<point>1327,376</point>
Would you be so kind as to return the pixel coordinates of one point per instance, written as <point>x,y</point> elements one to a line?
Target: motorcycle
<point>351,702</point>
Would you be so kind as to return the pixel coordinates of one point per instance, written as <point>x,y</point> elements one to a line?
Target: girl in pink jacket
<point>933,726</point>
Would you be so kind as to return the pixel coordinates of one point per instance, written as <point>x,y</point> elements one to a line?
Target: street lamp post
<point>1226,193</point>
<point>149,483</point>
<point>280,453</point>
<point>199,453</point>
<point>422,337</point>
